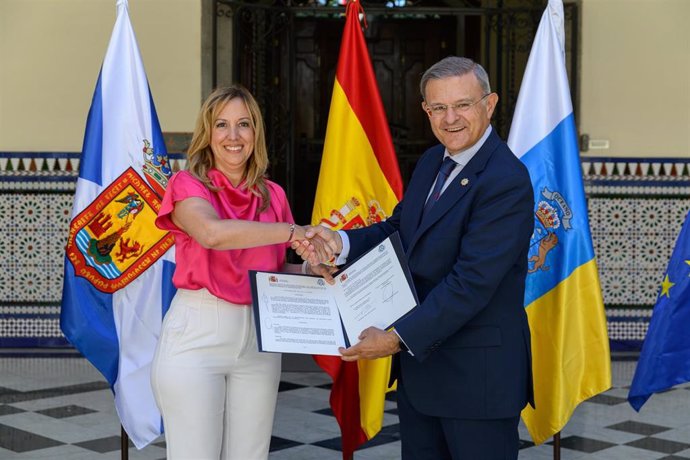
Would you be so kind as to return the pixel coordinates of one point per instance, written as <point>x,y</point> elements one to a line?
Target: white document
<point>296,314</point>
<point>303,314</point>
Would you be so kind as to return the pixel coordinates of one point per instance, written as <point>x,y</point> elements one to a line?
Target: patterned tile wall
<point>36,194</point>
<point>636,209</point>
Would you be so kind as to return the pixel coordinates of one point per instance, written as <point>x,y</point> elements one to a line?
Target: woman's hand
<point>298,234</point>
<point>311,246</point>
<point>320,245</point>
<point>308,251</point>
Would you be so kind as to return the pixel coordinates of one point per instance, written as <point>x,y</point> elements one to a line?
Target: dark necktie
<point>443,173</point>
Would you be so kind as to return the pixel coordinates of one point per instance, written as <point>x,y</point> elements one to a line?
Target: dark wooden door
<point>287,55</point>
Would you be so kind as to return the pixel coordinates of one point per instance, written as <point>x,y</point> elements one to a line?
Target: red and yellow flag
<point>359,184</point>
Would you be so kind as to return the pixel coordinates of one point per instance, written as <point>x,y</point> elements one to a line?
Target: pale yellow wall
<point>51,52</point>
<point>635,80</point>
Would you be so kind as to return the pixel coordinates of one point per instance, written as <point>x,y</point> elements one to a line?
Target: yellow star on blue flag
<point>666,286</point>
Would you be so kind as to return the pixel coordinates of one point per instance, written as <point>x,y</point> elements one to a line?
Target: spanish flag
<point>359,184</point>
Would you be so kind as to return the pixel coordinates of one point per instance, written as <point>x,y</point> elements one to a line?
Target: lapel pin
<point>464,181</point>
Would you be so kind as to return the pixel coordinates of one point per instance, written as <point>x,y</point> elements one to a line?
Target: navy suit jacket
<point>468,258</point>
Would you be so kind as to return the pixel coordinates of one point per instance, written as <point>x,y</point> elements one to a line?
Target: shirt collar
<point>464,157</point>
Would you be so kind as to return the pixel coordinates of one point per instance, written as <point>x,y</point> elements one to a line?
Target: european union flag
<point>665,358</point>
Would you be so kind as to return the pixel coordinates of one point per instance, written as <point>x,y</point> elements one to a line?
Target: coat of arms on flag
<point>349,216</point>
<point>552,217</point>
<point>113,239</point>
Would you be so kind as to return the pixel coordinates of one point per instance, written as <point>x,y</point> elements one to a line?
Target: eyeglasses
<point>439,110</point>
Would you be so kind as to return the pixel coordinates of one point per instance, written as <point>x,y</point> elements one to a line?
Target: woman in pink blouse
<point>216,391</point>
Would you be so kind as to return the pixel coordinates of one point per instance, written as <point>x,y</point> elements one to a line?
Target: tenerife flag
<point>359,184</point>
<point>118,265</point>
<point>665,358</point>
<point>570,347</point>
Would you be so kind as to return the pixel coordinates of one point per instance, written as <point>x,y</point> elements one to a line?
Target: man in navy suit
<point>462,356</point>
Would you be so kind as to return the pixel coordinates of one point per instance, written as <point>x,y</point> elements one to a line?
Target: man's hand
<point>373,343</point>
<point>328,236</point>
<point>326,271</point>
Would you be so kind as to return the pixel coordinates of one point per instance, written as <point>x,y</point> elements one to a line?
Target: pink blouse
<point>223,272</point>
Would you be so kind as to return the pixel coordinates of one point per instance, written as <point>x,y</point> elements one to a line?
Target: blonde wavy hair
<point>200,156</point>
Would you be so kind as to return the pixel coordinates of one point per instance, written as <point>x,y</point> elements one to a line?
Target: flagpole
<point>124,444</point>
<point>557,446</point>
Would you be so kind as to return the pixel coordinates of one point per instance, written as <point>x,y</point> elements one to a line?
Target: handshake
<point>317,245</point>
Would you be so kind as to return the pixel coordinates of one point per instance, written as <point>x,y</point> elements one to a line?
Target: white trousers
<point>216,391</point>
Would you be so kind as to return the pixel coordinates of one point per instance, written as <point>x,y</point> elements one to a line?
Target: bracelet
<point>292,232</point>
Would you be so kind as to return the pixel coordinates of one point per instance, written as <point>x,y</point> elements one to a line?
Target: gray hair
<point>454,66</point>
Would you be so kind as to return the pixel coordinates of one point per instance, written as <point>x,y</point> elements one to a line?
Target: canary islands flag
<point>118,265</point>
<point>570,347</point>
<point>665,358</point>
<point>359,184</point>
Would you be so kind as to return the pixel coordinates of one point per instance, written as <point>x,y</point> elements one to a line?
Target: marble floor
<point>54,405</point>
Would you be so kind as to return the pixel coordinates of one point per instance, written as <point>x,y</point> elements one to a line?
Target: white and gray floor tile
<point>55,405</point>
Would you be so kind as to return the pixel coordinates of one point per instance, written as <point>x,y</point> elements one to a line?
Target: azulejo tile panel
<point>636,209</point>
